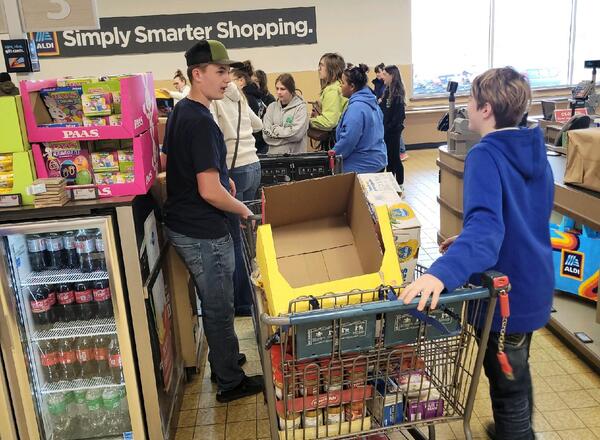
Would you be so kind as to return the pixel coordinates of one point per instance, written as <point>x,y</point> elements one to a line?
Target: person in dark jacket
<point>7,87</point>
<point>378,84</point>
<point>260,79</point>
<point>508,199</point>
<point>243,78</point>
<point>392,105</point>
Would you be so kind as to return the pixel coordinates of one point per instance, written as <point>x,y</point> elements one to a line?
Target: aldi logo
<point>46,43</point>
<point>571,265</point>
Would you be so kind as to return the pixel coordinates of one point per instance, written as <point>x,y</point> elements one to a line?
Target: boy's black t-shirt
<point>195,144</point>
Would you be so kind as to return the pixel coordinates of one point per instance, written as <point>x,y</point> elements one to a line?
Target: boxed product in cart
<point>318,237</point>
<point>388,406</point>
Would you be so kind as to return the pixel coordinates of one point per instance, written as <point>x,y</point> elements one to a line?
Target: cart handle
<point>312,316</point>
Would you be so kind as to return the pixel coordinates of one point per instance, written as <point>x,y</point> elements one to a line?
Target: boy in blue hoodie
<point>508,195</point>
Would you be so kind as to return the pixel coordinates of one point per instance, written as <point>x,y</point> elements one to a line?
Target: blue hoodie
<point>508,195</point>
<point>359,136</point>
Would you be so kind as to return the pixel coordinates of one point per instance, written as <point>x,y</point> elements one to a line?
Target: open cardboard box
<point>318,237</point>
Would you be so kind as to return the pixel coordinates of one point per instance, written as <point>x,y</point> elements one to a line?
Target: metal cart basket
<point>374,366</point>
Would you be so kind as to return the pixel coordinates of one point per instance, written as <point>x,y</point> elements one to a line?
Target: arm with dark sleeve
<point>477,247</point>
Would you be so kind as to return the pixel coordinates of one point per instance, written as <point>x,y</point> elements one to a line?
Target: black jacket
<point>393,113</point>
<point>254,96</point>
<point>378,87</point>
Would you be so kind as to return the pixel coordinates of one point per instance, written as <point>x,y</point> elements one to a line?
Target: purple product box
<point>424,410</point>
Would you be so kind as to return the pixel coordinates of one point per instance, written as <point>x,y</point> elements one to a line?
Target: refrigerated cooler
<point>87,325</point>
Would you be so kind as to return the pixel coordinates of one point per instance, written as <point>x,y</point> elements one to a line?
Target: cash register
<point>456,123</point>
<point>584,94</point>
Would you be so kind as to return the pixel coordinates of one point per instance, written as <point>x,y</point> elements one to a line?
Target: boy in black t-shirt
<point>199,194</point>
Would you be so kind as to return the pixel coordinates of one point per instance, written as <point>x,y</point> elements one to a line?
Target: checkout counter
<point>573,314</point>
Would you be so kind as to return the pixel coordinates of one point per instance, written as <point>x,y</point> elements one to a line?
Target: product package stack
<point>50,192</point>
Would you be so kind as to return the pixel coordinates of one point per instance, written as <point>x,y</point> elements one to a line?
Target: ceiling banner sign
<point>176,33</point>
<point>3,24</point>
<point>58,15</point>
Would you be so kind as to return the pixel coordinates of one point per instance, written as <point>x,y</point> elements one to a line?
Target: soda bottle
<point>54,248</point>
<point>70,255</point>
<point>126,427</point>
<point>61,422</point>
<point>101,355</point>
<point>67,358</point>
<point>115,362</point>
<point>81,409</point>
<point>66,308</point>
<point>49,360</point>
<point>85,249</point>
<point>54,314</point>
<point>36,247</point>
<point>84,349</point>
<point>95,414</point>
<point>102,298</point>
<point>84,299</point>
<point>40,306</point>
<point>99,260</point>
<point>111,401</point>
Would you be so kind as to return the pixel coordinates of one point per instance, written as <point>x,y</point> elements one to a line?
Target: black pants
<point>395,166</point>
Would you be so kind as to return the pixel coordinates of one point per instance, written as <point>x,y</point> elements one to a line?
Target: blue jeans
<point>247,181</point>
<point>242,289</point>
<point>402,145</point>
<point>512,400</point>
<point>211,264</point>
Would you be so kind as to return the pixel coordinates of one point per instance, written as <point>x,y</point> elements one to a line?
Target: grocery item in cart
<point>290,420</point>
<point>427,405</point>
<point>334,415</point>
<point>313,418</point>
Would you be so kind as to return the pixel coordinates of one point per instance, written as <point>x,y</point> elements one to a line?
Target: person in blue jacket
<point>508,197</point>
<point>359,136</point>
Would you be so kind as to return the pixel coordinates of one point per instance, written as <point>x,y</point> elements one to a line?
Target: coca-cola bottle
<point>66,308</point>
<point>84,299</point>
<point>41,310</point>
<point>67,357</point>
<point>114,361</point>
<point>49,360</point>
<point>54,248</point>
<point>99,260</point>
<point>52,302</point>
<point>70,255</point>
<point>102,297</point>
<point>36,247</point>
<point>84,350</point>
<point>101,354</point>
<point>85,249</point>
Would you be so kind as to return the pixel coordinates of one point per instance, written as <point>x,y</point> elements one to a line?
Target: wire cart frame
<point>371,366</point>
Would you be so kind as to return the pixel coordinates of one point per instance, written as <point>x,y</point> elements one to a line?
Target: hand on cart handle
<point>447,243</point>
<point>426,286</point>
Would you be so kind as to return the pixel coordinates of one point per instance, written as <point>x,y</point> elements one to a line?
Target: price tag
<point>58,15</point>
<point>563,115</point>
<point>10,200</point>
<point>38,188</point>
<point>84,192</point>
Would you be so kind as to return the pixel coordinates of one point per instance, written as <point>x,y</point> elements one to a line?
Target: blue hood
<point>524,149</point>
<point>364,95</point>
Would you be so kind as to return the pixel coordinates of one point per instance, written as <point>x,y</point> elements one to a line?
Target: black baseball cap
<point>209,52</point>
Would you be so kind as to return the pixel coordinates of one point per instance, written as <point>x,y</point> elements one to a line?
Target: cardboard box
<point>406,229</point>
<point>388,405</point>
<point>379,182</point>
<point>428,406</point>
<point>138,112</point>
<point>13,137</point>
<point>22,176</point>
<point>318,237</point>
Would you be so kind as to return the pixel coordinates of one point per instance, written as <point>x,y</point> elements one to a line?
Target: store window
<point>543,39</point>
<point>449,43</point>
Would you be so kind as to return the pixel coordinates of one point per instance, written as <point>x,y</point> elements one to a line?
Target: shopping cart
<point>374,366</point>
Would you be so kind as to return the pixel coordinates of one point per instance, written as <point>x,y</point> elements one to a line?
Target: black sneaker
<point>490,429</point>
<point>241,361</point>
<point>249,386</point>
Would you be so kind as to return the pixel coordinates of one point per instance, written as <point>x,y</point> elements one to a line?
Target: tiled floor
<point>566,391</point>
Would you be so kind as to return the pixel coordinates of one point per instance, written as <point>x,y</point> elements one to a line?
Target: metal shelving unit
<point>80,384</point>
<point>62,276</point>
<point>76,329</point>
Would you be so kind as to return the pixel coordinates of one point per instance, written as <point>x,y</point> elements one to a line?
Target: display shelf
<point>75,329</point>
<point>62,276</point>
<point>81,384</point>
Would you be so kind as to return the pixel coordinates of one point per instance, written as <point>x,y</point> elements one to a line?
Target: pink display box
<point>145,158</point>
<point>138,110</point>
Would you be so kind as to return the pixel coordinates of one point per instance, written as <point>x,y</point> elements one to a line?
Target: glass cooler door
<point>62,298</point>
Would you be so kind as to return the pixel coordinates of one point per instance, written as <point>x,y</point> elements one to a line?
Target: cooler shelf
<point>82,384</point>
<point>75,329</point>
<point>62,276</point>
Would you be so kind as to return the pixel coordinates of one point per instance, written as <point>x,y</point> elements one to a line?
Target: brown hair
<point>396,88</point>
<point>191,68</point>
<point>261,76</point>
<point>506,90</point>
<point>246,71</point>
<point>287,81</point>
<point>334,65</point>
<point>179,75</point>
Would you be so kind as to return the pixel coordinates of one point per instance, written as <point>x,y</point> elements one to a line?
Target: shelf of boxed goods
<point>137,104</point>
<point>574,314</point>
<point>80,384</point>
<point>76,329</point>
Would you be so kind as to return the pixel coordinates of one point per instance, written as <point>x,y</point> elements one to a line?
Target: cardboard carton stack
<point>50,192</point>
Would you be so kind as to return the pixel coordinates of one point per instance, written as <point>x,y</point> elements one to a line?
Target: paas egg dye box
<point>69,160</point>
<point>97,104</point>
<point>63,104</point>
